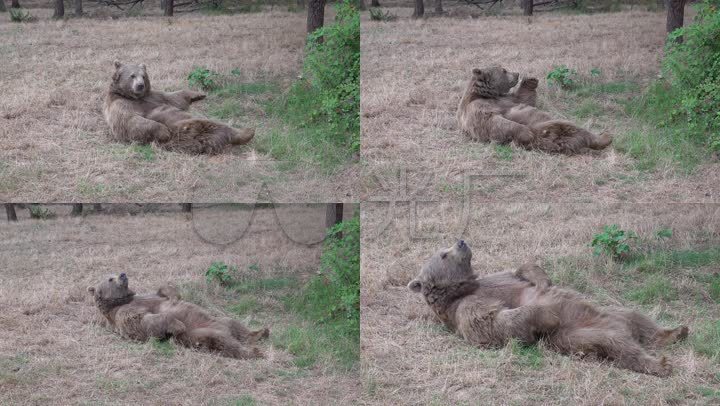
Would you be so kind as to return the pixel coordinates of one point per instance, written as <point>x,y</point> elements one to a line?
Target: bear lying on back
<point>134,112</point>
<point>489,112</point>
<point>489,310</point>
<point>164,315</point>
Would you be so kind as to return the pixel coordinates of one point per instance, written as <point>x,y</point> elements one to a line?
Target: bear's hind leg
<point>214,340</point>
<point>647,332</point>
<point>608,342</point>
<point>242,333</point>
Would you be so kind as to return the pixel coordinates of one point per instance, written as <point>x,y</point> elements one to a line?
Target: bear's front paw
<point>529,83</point>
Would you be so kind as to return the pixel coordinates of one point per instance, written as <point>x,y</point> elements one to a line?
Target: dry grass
<point>53,349</point>
<point>408,358</point>
<point>414,71</point>
<point>55,143</point>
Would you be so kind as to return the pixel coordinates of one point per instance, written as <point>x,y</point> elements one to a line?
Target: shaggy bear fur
<point>165,315</point>
<point>489,112</point>
<point>134,112</point>
<point>489,310</point>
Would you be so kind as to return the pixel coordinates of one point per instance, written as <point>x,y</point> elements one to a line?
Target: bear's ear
<point>415,285</point>
<point>91,290</point>
<point>118,64</point>
<point>477,72</point>
<point>142,66</point>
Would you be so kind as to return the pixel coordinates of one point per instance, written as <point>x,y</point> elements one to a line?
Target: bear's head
<point>111,292</point>
<point>446,267</point>
<point>493,82</point>
<point>130,80</point>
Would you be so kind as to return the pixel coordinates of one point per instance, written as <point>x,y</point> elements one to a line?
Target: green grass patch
<point>244,306</point>
<point>656,288</point>
<point>607,88</point>
<point>525,356</point>
<point>503,152</point>
<point>251,88</point>
<point>226,109</point>
<point>264,284</point>
<point>665,261</point>
<point>588,108</point>
<point>144,152</point>
<point>164,348</point>
<point>706,340</point>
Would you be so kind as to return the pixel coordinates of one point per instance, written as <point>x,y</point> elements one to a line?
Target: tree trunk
<point>675,16</point>
<point>15,4</point>
<point>333,214</point>
<point>362,5</point>
<point>186,207</point>
<point>169,8</point>
<point>78,8</point>
<point>97,207</point>
<point>316,15</point>
<point>438,7</point>
<point>59,9</point>
<point>527,6</point>
<point>10,209</point>
<point>419,9</point>
<point>2,6</point>
<point>660,4</point>
<point>76,210</point>
<point>374,3</point>
<point>300,3</point>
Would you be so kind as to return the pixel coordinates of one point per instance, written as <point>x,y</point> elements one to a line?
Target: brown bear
<point>165,315</point>
<point>136,113</point>
<point>489,310</point>
<point>489,112</point>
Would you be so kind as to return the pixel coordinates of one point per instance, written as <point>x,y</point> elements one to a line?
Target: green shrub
<point>693,69</point>
<point>332,64</point>
<point>377,14</point>
<point>562,77</point>
<point>203,78</point>
<point>18,15</point>
<point>613,242</point>
<point>42,213</point>
<point>221,273</point>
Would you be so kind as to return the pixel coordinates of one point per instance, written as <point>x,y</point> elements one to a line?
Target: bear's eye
<point>111,279</point>
<point>132,76</point>
<point>504,70</point>
<point>443,255</point>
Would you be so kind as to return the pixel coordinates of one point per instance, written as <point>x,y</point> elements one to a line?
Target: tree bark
<point>2,6</point>
<point>78,8</point>
<point>362,5</point>
<point>169,8</point>
<point>76,209</point>
<point>186,207</point>
<point>333,214</point>
<point>438,7</point>
<point>15,4</point>
<point>675,16</point>
<point>527,6</point>
<point>59,9</point>
<point>316,15</point>
<point>10,209</point>
<point>419,9</point>
<point>300,3</point>
<point>374,3</point>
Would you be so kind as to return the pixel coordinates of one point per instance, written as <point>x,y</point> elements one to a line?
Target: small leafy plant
<point>613,241</point>
<point>595,72</point>
<point>562,77</point>
<point>18,15</point>
<point>42,213</point>
<point>203,78</point>
<point>221,273</point>
<point>377,14</point>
